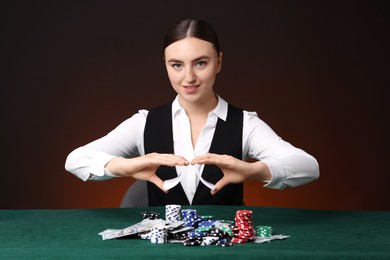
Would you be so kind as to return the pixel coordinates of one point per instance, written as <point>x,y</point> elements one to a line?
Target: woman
<point>198,142</point>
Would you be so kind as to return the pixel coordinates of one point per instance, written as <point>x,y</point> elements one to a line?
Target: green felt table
<point>314,234</point>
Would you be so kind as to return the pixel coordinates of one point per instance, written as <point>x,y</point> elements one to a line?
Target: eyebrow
<point>194,60</point>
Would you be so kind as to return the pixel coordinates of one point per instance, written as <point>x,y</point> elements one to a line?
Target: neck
<point>200,107</point>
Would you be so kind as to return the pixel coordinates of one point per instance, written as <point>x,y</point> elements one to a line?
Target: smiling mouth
<point>190,89</point>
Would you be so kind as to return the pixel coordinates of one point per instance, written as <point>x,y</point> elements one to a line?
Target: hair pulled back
<point>192,28</point>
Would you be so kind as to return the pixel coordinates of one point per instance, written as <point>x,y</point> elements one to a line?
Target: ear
<point>219,62</point>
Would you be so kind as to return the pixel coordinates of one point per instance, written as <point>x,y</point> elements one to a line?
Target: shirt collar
<point>220,111</point>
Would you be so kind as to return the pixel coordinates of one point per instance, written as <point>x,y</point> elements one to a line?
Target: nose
<point>190,76</point>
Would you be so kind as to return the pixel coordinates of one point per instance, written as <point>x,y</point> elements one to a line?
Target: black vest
<point>227,139</point>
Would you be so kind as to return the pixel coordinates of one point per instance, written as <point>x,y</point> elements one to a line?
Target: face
<point>192,65</point>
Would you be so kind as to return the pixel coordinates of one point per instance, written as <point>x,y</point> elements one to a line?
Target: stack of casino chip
<point>190,217</point>
<point>212,236</point>
<point>158,235</point>
<point>244,229</point>
<point>224,242</point>
<point>225,226</point>
<point>150,215</point>
<point>207,223</point>
<point>209,240</point>
<point>195,235</point>
<point>172,213</point>
<point>181,236</point>
<point>263,231</point>
<point>217,232</point>
<point>192,242</point>
<point>224,236</point>
<point>203,227</point>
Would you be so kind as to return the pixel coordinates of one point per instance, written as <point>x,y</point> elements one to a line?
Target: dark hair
<point>192,28</point>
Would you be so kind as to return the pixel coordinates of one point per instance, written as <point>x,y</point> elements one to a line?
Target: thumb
<point>158,182</point>
<point>219,185</point>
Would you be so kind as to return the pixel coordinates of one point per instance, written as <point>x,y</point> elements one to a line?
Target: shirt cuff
<point>107,175</point>
<point>278,175</point>
<point>99,172</point>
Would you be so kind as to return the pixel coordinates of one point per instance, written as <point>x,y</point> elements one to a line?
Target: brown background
<point>315,71</point>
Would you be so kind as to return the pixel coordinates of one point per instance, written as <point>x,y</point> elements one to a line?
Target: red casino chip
<point>238,240</point>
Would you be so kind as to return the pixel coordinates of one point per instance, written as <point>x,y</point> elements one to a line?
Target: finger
<point>208,159</point>
<point>172,157</point>
<point>168,160</point>
<point>158,182</point>
<point>219,185</point>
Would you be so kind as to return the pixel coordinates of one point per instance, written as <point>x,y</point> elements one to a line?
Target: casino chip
<point>238,240</point>
<point>204,230</point>
<point>209,240</point>
<point>263,231</point>
<point>172,213</point>
<point>192,242</point>
<point>158,235</point>
<point>150,215</point>
<point>224,242</point>
<point>244,229</point>
<point>190,217</point>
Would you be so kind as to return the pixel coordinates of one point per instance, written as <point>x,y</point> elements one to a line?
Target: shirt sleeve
<point>126,140</point>
<point>290,166</point>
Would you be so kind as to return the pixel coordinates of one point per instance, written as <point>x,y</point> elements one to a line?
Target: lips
<point>190,89</point>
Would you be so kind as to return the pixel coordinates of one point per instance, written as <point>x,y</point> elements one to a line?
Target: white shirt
<point>290,166</point>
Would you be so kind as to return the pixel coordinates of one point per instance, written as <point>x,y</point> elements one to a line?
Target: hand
<point>145,167</point>
<point>233,169</point>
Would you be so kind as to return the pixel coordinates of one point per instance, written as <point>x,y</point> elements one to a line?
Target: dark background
<point>315,71</point>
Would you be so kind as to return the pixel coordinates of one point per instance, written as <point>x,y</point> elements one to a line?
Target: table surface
<point>314,234</point>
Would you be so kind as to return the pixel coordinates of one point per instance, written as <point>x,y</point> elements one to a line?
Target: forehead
<point>189,48</point>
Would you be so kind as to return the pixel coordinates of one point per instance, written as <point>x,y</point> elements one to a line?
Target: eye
<point>176,66</point>
<point>201,63</point>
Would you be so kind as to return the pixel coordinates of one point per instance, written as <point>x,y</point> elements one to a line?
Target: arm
<point>289,166</point>
<point>120,154</point>
<point>126,140</point>
<point>144,167</point>
<point>234,170</point>
<point>275,161</point>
